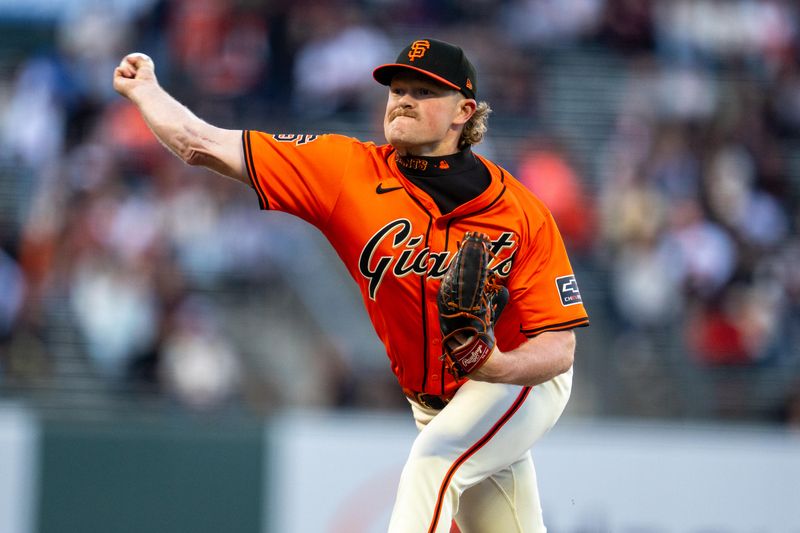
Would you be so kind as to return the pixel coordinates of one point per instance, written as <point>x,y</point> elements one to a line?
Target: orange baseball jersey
<point>397,245</point>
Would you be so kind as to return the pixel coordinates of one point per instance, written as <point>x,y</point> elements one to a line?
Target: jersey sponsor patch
<point>297,138</point>
<point>568,291</point>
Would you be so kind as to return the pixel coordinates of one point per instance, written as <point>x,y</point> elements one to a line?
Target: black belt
<point>431,401</point>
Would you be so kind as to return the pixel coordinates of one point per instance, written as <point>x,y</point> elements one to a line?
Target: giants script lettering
<point>411,258</point>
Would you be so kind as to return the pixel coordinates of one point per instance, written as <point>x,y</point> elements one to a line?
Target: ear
<point>466,108</point>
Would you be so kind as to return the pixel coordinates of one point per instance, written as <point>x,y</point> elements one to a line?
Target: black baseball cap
<point>444,62</point>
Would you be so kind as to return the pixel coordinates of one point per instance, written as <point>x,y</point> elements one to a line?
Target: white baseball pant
<point>471,460</point>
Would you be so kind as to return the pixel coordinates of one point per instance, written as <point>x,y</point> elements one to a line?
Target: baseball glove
<point>470,302</point>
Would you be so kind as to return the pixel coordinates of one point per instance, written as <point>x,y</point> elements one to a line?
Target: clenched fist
<point>135,70</point>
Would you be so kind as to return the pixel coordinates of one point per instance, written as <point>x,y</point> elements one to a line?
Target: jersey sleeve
<point>543,286</point>
<point>299,174</point>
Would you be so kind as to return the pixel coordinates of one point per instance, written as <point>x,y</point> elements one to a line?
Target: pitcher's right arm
<point>193,140</point>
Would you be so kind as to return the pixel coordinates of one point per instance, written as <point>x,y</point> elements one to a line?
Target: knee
<point>430,460</point>
<point>436,468</point>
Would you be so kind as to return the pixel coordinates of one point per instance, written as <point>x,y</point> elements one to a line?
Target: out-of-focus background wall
<point>663,134</point>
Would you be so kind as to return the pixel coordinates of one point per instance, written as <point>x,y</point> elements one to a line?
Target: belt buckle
<point>431,401</point>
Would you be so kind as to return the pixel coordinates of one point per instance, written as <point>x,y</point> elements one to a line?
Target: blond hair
<point>476,126</point>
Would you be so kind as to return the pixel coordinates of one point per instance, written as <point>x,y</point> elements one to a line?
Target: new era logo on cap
<point>444,62</point>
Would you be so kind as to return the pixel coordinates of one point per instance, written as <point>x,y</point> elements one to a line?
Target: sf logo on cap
<point>418,49</point>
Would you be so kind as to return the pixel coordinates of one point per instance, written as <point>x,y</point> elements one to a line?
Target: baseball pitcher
<point>462,270</point>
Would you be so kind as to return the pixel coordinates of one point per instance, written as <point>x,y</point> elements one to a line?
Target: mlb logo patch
<point>568,291</point>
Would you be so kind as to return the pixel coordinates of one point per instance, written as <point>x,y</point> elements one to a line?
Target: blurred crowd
<point>119,262</point>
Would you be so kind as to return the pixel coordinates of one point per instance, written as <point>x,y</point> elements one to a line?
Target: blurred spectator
<point>784,103</point>
<point>714,336</point>
<point>508,78</point>
<point>34,123</point>
<point>91,37</point>
<point>705,255</point>
<point>645,285</point>
<point>685,93</point>
<point>627,24</point>
<point>222,47</point>
<point>25,358</point>
<point>634,215</point>
<point>134,144</point>
<point>198,365</point>
<point>755,216</point>
<point>738,328</point>
<point>674,169</point>
<point>12,294</point>
<point>759,31</point>
<point>542,22</point>
<point>334,66</point>
<point>669,93</point>
<point>546,171</point>
<point>116,311</point>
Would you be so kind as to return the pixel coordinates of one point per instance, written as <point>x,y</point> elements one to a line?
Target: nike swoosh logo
<point>380,189</point>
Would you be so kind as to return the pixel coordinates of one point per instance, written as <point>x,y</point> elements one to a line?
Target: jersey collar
<point>431,167</point>
<point>483,201</point>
